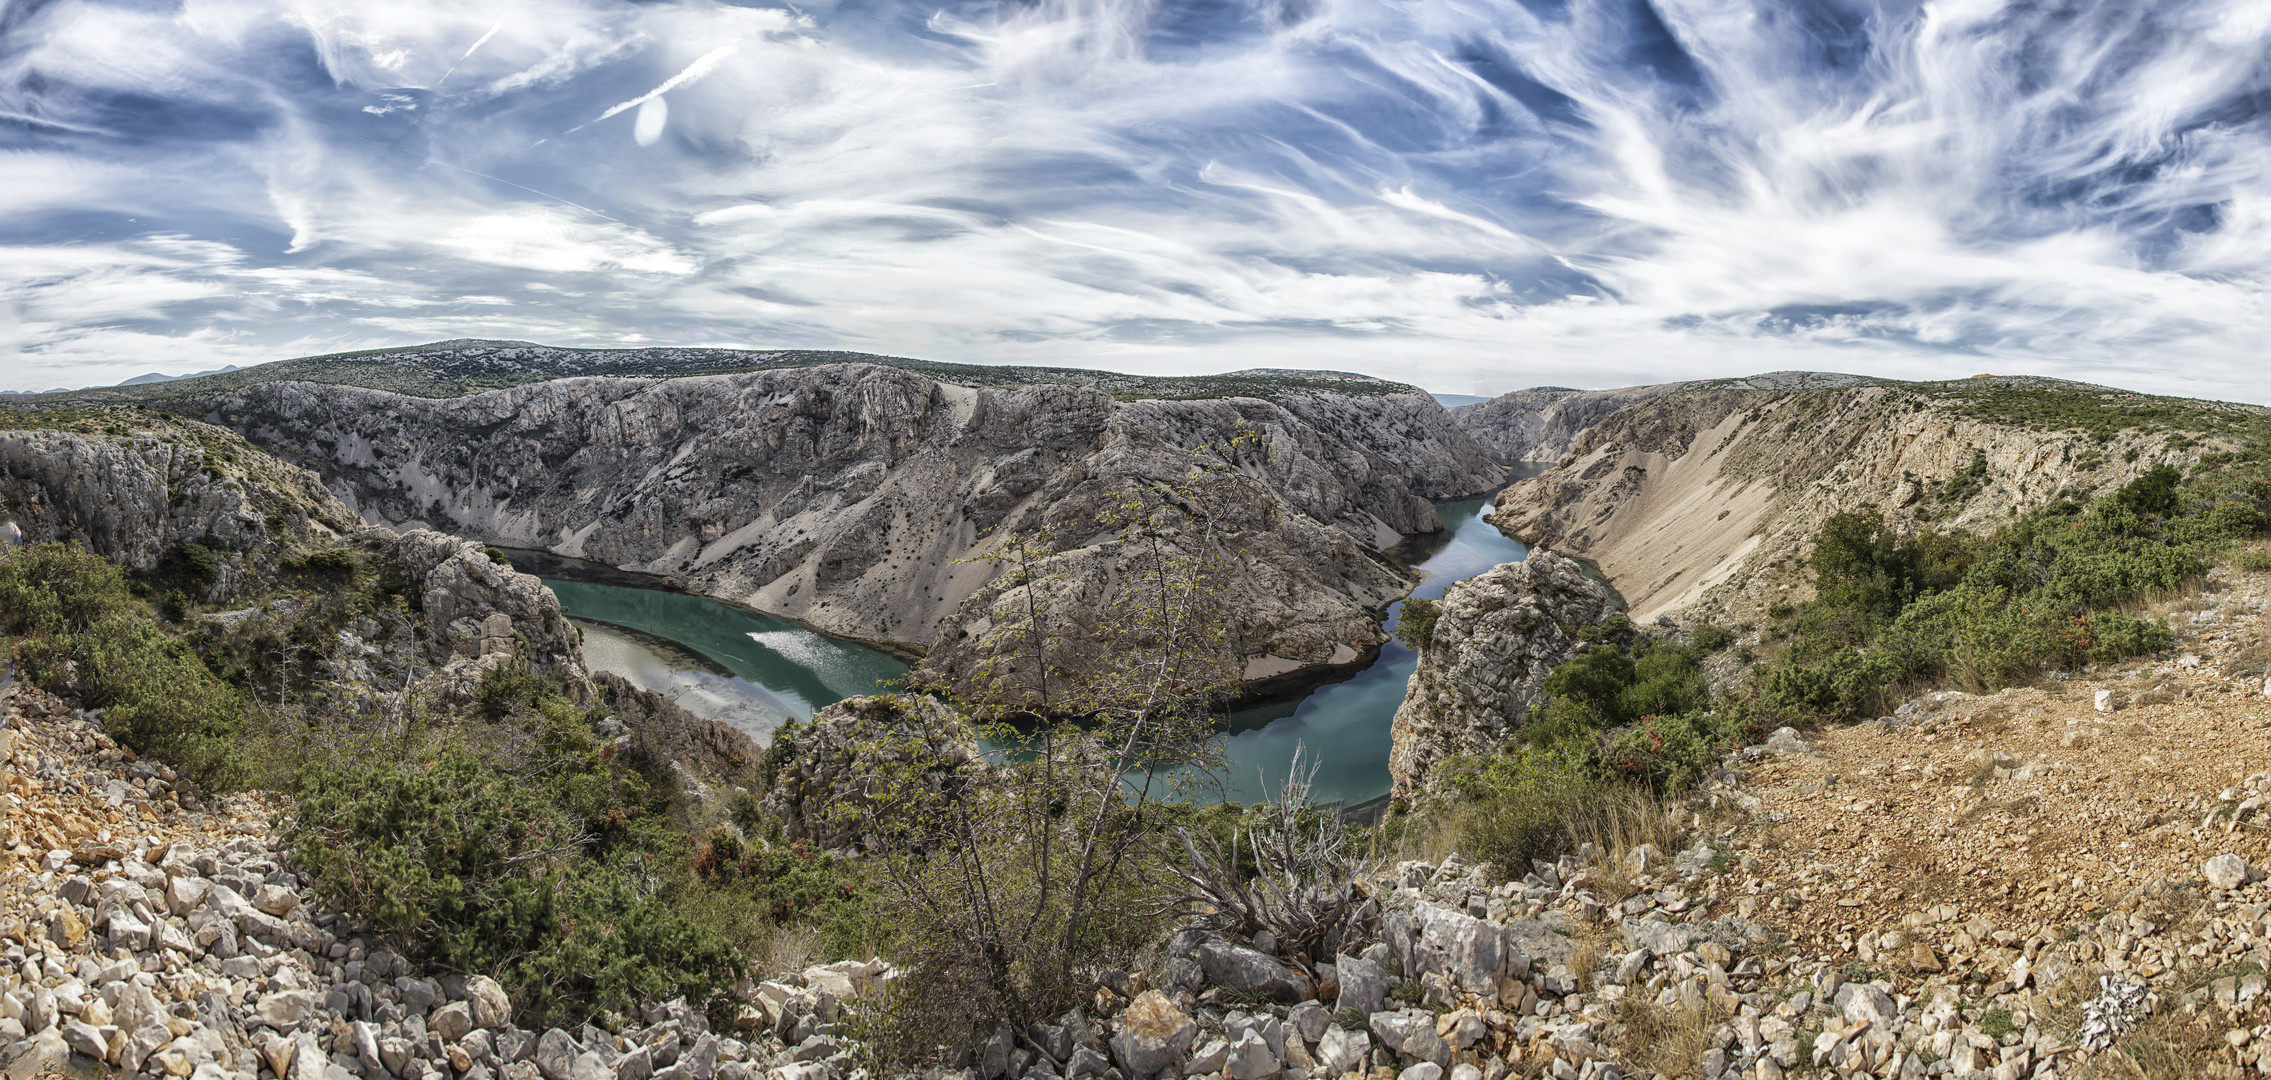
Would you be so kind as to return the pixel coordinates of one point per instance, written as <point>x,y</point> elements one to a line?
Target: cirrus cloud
<point>1474,197</point>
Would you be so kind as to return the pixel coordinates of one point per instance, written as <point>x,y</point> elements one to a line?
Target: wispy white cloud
<point>1477,197</point>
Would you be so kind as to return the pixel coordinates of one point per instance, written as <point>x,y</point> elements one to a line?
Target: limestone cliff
<point>481,611</point>
<point>1545,423</point>
<point>1497,636</point>
<point>133,487</point>
<point>1706,501</point>
<point>862,498</point>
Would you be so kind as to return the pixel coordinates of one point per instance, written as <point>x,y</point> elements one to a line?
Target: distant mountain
<point>157,377</point>
<point>448,369</point>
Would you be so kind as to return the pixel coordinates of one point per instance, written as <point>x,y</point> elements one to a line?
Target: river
<point>754,671</point>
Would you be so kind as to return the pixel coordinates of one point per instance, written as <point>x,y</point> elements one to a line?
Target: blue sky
<point>1475,196</point>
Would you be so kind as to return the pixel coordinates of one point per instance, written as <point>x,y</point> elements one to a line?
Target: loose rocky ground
<point>147,930</point>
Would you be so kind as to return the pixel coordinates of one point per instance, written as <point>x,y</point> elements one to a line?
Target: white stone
<point>2226,871</point>
<point>490,1005</point>
<point>1342,1051</point>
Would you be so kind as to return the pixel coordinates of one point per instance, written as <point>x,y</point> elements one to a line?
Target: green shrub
<point>1894,615</point>
<point>524,855</point>
<point>85,636</point>
<point>790,884</point>
<point>1527,805</point>
<point>2254,561</point>
<point>1415,625</point>
<point>190,567</point>
<point>1711,638</point>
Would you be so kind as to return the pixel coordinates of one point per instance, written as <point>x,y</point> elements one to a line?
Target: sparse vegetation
<point>2055,590</point>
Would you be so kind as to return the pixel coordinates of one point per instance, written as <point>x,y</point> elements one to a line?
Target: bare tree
<point>1012,891</point>
<point>1291,872</point>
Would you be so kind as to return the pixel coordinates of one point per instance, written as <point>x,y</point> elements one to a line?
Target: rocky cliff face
<point>480,613</point>
<point>1497,636</point>
<point>135,495</point>
<point>862,499</point>
<point>1707,501</point>
<point>1545,423</point>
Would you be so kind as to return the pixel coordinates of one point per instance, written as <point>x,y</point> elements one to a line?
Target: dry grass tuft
<point>789,948</point>
<point>1664,1040</point>
<point>1620,824</point>
<point>2169,1046</point>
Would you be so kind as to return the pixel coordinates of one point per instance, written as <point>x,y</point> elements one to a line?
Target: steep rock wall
<point>1545,423</point>
<point>1497,636</point>
<point>863,499</point>
<point>134,497</point>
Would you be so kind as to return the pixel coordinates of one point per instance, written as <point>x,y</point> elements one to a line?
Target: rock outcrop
<point>863,499</point>
<point>825,773</point>
<point>479,612</point>
<point>1497,636</point>
<point>134,497</point>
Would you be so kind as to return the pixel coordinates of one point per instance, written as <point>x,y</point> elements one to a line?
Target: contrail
<point>693,71</point>
<point>484,40</point>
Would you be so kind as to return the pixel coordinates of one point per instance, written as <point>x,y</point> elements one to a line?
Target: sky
<point>1472,195</point>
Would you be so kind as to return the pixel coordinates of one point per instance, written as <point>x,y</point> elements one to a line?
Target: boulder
<point>486,999</point>
<point>1249,1058</point>
<point>285,1009</point>
<point>1431,938</point>
<point>451,1021</point>
<point>1364,987</point>
<point>276,900</point>
<point>43,1054</point>
<point>1411,1033</point>
<point>556,1055</point>
<point>1245,970</point>
<point>1309,1021</point>
<point>1342,1051</point>
<point>1153,1035</point>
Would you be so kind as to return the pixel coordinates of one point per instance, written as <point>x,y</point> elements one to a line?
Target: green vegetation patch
<point>2052,591</point>
<point>1629,718</point>
<point>85,636</point>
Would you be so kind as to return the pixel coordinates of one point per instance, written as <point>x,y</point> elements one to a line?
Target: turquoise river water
<point>754,671</point>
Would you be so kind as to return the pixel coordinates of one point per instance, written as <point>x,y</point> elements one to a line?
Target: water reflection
<point>749,670</point>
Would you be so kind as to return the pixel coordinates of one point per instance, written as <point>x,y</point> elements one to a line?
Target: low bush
<point>85,636</point>
<point>516,848</point>
<point>1628,719</point>
<point>1896,614</point>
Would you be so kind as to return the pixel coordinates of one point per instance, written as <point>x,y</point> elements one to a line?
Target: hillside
<point>446,369</point>
<point>1705,500</point>
<point>1544,423</point>
<point>867,500</point>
